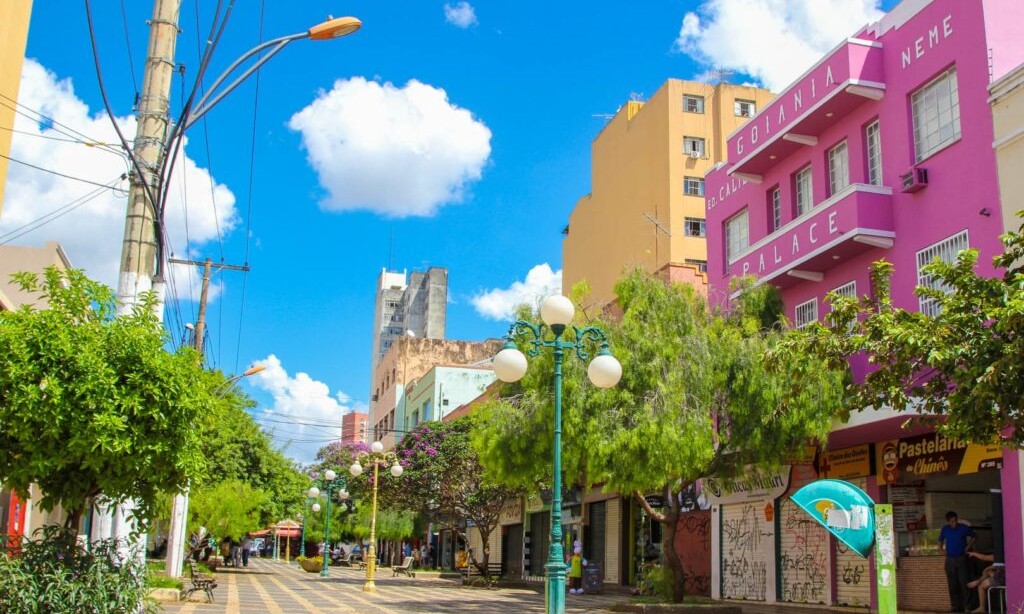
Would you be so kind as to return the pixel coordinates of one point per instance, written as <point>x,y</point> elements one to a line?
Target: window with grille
<point>847,290</point>
<point>806,313</point>
<point>702,265</point>
<point>693,104</point>
<point>804,196</point>
<point>693,146</point>
<point>936,115</point>
<point>737,235</point>
<point>838,169</point>
<point>946,251</point>
<point>873,141</point>
<point>693,186</point>
<point>744,108</point>
<point>775,198</point>
<point>694,227</point>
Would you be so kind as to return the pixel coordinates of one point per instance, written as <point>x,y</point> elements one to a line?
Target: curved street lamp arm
<point>591,334</point>
<point>206,102</point>
<point>521,328</point>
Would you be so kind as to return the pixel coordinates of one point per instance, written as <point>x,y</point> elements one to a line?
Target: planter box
<point>166,595</point>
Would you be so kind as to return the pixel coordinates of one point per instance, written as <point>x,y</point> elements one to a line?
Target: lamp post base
<point>369,587</point>
<point>556,587</point>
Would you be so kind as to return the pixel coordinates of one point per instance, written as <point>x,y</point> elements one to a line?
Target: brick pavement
<point>277,588</point>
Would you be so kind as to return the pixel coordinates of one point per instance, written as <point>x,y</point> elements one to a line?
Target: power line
<point>128,45</point>
<point>58,127</point>
<point>59,174</point>
<point>51,216</point>
<point>64,140</point>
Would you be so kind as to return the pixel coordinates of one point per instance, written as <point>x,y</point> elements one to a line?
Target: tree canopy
<point>695,400</point>
<point>95,405</point>
<point>227,509</point>
<point>960,367</point>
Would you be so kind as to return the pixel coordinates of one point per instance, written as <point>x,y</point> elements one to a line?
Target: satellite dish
<point>410,333</point>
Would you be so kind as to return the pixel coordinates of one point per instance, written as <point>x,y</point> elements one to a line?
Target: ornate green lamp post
<point>604,371</point>
<point>330,481</point>
<point>377,457</point>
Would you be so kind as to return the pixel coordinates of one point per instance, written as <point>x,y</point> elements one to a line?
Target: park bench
<point>404,568</point>
<point>200,582</point>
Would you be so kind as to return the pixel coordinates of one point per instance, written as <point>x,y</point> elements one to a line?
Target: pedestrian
<point>956,538</point>
<point>246,546</point>
<point>406,549</point>
<point>424,556</point>
<point>576,569</point>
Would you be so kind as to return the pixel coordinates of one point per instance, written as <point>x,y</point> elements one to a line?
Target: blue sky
<point>454,135</point>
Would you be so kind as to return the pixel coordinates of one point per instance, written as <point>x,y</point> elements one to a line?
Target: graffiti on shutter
<point>804,547</point>
<point>746,543</point>
<point>853,572</point>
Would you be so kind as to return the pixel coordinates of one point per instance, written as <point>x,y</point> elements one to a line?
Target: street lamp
<point>604,371</point>
<point>377,456</point>
<point>179,504</point>
<point>330,481</point>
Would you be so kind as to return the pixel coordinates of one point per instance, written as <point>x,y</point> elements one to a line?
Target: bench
<point>404,568</point>
<point>200,582</point>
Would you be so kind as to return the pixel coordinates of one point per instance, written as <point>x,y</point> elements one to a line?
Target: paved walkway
<point>277,588</point>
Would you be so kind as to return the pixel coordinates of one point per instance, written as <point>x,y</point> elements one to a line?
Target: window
<point>804,196</point>
<point>737,235</point>
<point>694,227</point>
<point>702,265</point>
<point>693,147</point>
<point>775,203</point>
<point>936,110</point>
<point>693,186</point>
<point>693,104</point>
<point>945,251</point>
<point>838,169</point>
<point>874,149</point>
<point>415,418</point>
<point>806,313</point>
<point>744,108</point>
<point>391,304</point>
<point>848,290</point>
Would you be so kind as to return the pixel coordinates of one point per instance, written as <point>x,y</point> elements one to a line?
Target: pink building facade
<point>884,149</point>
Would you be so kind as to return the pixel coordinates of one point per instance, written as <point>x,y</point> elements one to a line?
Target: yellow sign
<point>932,454</point>
<point>845,463</point>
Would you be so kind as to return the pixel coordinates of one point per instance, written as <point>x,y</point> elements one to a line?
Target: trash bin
<point>592,580</point>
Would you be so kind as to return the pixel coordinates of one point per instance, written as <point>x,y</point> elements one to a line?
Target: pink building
<point>353,427</point>
<point>884,149</point>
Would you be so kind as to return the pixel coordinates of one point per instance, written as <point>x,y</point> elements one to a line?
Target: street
<point>277,588</point>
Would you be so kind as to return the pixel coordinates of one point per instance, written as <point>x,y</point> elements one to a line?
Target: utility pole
<point>139,250</point>
<point>176,537</point>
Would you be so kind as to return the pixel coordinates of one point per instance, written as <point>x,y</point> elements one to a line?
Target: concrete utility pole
<point>139,251</point>
<point>176,534</point>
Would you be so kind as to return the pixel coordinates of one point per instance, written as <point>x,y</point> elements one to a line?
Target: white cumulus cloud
<point>305,415</point>
<point>774,41</point>
<point>397,151</point>
<point>501,303</point>
<point>460,14</point>
<point>89,221</point>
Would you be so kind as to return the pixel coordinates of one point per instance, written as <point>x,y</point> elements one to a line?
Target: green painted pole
<point>324,572</point>
<point>302,540</point>
<point>555,566</point>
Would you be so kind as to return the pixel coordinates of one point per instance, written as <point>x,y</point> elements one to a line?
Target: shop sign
<point>534,503</point>
<point>655,500</point>
<point>511,512</point>
<point>931,455</point>
<point>754,486</point>
<point>846,463</point>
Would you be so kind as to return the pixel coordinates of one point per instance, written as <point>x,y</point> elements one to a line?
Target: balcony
<point>853,221</point>
<point>848,77</point>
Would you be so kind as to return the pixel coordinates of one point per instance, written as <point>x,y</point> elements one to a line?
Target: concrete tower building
<point>414,306</point>
<point>646,204</point>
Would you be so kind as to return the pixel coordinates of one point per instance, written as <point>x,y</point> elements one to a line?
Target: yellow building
<point>1007,98</point>
<point>14,16</point>
<point>646,206</point>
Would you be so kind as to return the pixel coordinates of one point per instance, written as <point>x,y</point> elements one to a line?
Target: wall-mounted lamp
<point>985,211</point>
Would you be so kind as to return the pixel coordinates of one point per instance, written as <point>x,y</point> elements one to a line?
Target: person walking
<point>246,546</point>
<point>956,538</point>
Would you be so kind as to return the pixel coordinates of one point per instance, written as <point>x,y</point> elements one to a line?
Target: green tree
<point>228,509</point>
<point>695,401</point>
<point>443,479</point>
<point>960,369</point>
<point>95,405</point>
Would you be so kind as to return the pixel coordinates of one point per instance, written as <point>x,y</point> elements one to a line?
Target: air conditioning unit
<point>695,155</point>
<point>914,180</point>
<point>373,398</point>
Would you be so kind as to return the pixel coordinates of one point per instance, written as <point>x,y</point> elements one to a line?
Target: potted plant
<point>311,564</point>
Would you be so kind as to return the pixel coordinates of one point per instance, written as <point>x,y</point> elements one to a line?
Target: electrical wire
<point>252,175</point>
<point>54,138</point>
<point>57,213</point>
<point>157,221</point>
<point>59,174</point>
<point>58,127</point>
<point>128,45</point>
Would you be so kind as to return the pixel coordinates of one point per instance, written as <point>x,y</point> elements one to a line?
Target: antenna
<point>657,224</point>
<point>603,115</point>
<point>391,246</point>
<point>720,75</point>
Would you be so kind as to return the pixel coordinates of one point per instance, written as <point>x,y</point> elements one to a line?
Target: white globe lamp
<point>313,492</point>
<point>509,364</point>
<point>556,310</point>
<point>356,469</point>
<point>396,470</point>
<point>316,508</point>
<point>376,447</point>
<point>329,475</point>
<point>604,371</point>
